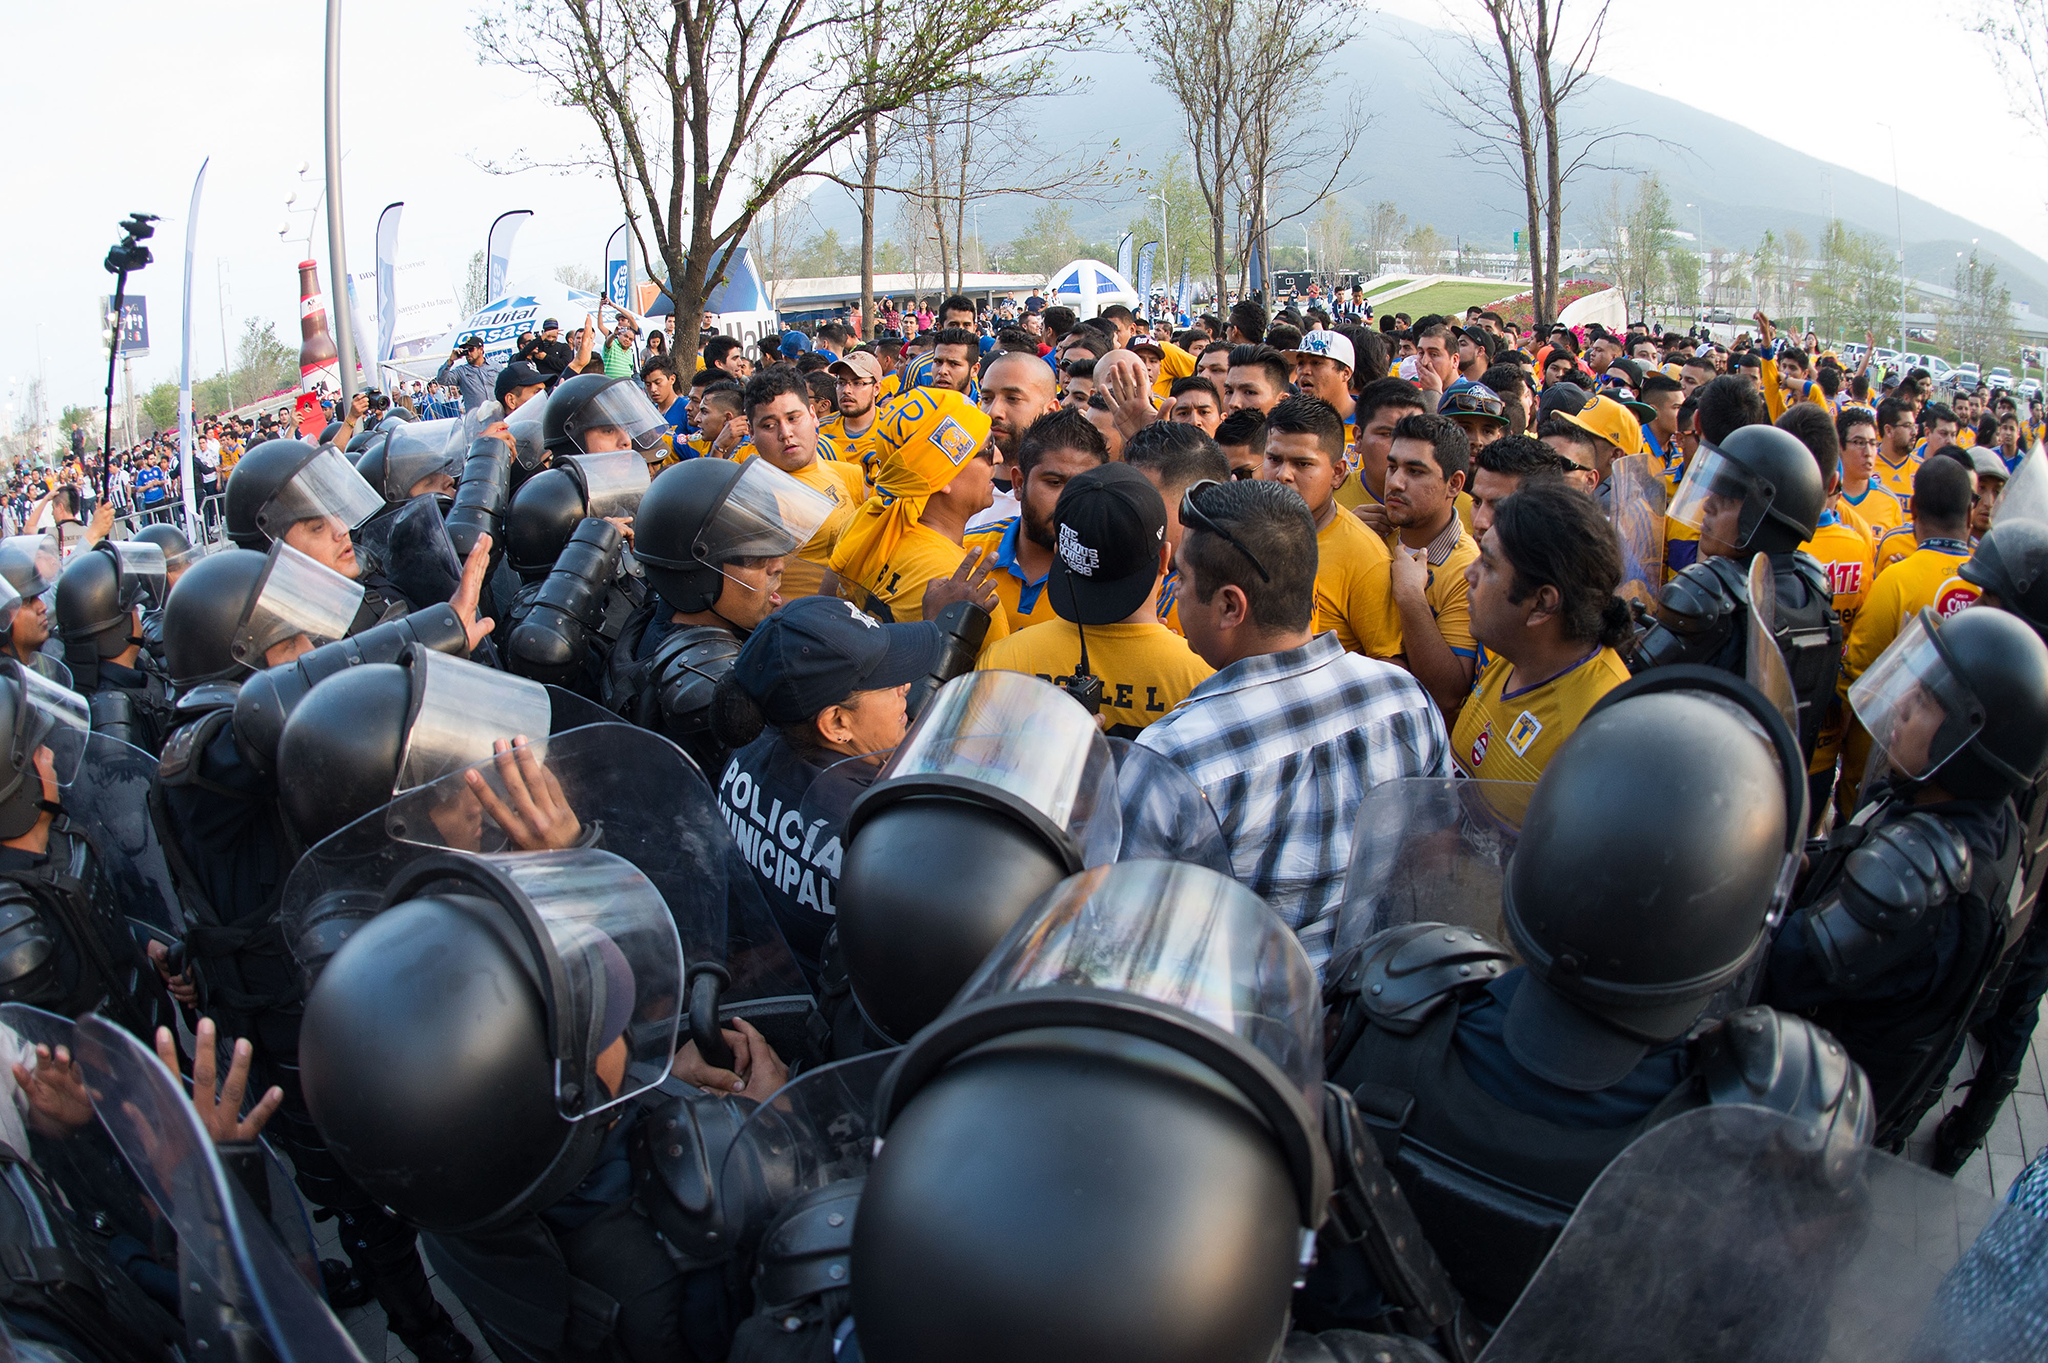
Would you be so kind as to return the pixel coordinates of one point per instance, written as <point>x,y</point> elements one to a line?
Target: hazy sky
<point>241,82</point>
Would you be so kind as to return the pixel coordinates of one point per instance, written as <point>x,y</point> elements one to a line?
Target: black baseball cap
<point>818,650</point>
<point>550,325</point>
<point>1108,525</point>
<point>516,375</point>
<point>469,341</point>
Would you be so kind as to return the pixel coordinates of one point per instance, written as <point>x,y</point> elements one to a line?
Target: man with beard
<point>1053,450</point>
<point>851,434</point>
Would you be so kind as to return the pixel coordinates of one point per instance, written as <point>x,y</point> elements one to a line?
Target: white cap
<point>1333,345</point>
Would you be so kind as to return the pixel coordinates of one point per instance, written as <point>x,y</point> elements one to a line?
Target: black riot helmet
<point>1656,849</point>
<point>371,731</point>
<point>179,551</point>
<point>702,514</point>
<point>35,713</point>
<point>993,797</point>
<point>1774,477</point>
<point>498,1005</point>
<point>31,564</point>
<point>99,593</point>
<point>403,454</point>
<point>1963,701</point>
<point>1139,1056</point>
<point>548,506</point>
<point>202,614</point>
<point>329,431</point>
<point>282,482</point>
<point>2011,562</point>
<point>589,402</point>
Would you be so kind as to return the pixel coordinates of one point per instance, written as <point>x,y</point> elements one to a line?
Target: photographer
<point>474,376</point>
<point>1107,644</point>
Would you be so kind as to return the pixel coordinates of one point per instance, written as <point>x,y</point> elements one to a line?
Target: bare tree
<point>1385,226</point>
<point>678,91</point>
<point>1527,63</point>
<point>1237,70</point>
<point>2018,35</point>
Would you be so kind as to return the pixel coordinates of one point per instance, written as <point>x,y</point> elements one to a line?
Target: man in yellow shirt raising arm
<point>1107,641</point>
<point>1354,569</point>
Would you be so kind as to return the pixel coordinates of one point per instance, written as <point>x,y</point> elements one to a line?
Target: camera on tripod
<point>129,253</point>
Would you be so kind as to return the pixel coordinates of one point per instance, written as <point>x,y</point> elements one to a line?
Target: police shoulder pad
<point>1760,1057</point>
<point>1402,975</point>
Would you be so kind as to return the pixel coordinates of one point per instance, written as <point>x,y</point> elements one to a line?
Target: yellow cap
<point>1610,421</point>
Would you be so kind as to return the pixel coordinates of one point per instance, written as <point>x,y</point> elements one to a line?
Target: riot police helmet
<point>99,593</point>
<point>30,563</point>
<point>375,730</point>
<point>992,798</point>
<point>1656,848</point>
<point>329,431</point>
<point>179,551</point>
<point>1962,702</point>
<point>702,515</point>
<point>1139,1055</point>
<point>35,713</point>
<point>283,482</point>
<point>2010,562</point>
<point>1765,479</point>
<point>544,513</point>
<point>203,613</point>
<point>498,1005</point>
<point>583,406</point>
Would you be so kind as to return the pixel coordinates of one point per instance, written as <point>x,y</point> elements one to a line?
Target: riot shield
<point>1725,1234</point>
<point>2026,492</point>
<point>237,1279</point>
<point>409,545</point>
<point>634,795</point>
<point>1636,506</point>
<point>1764,665</point>
<point>109,801</point>
<point>1164,814</point>
<point>817,1130</point>
<point>1430,850</point>
<point>52,668</point>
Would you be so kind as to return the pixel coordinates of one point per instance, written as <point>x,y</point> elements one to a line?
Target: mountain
<point>1746,182</point>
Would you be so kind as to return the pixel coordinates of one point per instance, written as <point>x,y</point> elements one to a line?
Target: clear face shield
<point>46,715</point>
<point>296,595</point>
<point>609,960</point>
<point>1918,710</point>
<point>1713,483</point>
<point>623,407</point>
<point>10,602</point>
<point>613,484</point>
<point>420,449</point>
<point>143,571</point>
<point>1178,935</point>
<point>30,563</point>
<point>460,710</point>
<point>529,442</point>
<point>324,488</point>
<point>1022,737</point>
<point>2026,493</point>
<point>766,514</point>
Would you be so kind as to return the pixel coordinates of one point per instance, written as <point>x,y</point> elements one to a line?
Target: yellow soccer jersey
<point>1355,588</point>
<point>897,586</point>
<point>1024,600</point>
<point>1894,546</point>
<point>1146,668</point>
<point>857,450</point>
<point>1169,600</point>
<point>1447,595</point>
<point>1510,736</point>
<point>1850,559</point>
<point>1876,508</point>
<point>1896,479</point>
<point>805,573</point>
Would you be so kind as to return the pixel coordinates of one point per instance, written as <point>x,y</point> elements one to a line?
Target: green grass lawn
<point>1449,298</point>
<point>1388,286</point>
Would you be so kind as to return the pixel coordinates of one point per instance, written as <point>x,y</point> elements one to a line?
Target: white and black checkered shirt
<point>1285,745</point>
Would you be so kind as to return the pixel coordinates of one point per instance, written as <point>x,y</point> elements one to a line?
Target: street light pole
<point>1165,251</point>
<point>337,251</point>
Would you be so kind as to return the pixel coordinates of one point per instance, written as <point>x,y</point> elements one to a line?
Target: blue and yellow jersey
<point>1504,735</point>
<point>849,449</point>
<point>1877,508</point>
<point>1897,479</point>
<point>1025,600</point>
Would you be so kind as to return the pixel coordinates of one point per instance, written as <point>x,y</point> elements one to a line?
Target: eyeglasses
<point>1190,514</point>
<point>1468,403</point>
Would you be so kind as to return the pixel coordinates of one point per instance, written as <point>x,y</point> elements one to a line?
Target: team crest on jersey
<point>953,438</point>
<point>1524,732</point>
<point>1953,596</point>
<point>1479,746</point>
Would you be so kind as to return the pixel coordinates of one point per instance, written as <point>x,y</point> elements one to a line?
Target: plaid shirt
<point>1285,745</point>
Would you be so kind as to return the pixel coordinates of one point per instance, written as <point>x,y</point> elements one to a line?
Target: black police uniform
<point>132,704</point>
<point>65,946</point>
<point>662,677</point>
<point>1893,936</point>
<point>1493,1157</point>
<point>795,854</point>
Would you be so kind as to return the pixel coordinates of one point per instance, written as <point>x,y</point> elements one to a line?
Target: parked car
<point>1966,378</point>
<point>1887,357</point>
<point>2000,378</point>
<point>2030,389</point>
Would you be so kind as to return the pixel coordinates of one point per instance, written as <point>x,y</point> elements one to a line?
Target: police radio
<point>1084,686</point>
